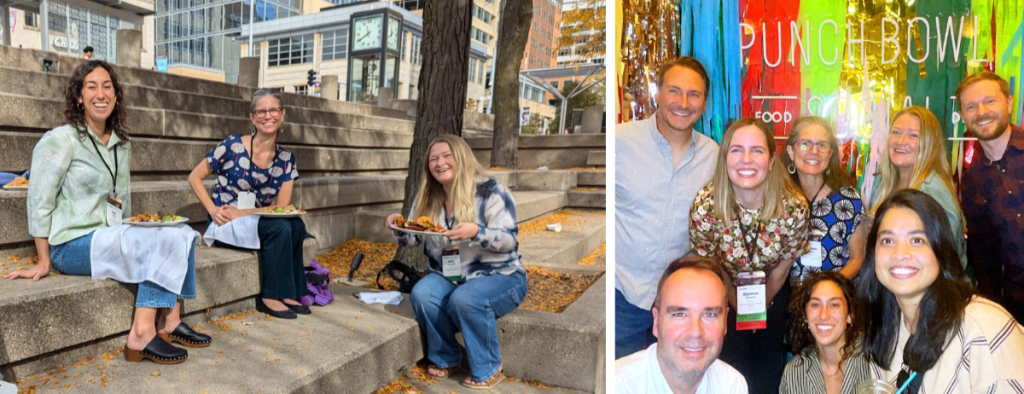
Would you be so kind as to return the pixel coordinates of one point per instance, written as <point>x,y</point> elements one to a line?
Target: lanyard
<point>252,163</point>
<point>815,196</point>
<point>751,246</point>
<point>113,174</point>
<point>449,220</point>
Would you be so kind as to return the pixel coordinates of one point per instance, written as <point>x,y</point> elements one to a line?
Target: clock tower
<point>376,38</point>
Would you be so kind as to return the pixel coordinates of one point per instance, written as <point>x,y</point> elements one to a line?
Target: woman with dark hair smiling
<point>825,337</point>
<point>77,196</point>
<point>925,326</point>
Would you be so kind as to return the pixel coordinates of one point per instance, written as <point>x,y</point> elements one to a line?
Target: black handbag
<point>405,275</point>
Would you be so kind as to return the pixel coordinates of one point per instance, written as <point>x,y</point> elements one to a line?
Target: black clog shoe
<point>300,309</point>
<point>261,307</point>
<point>184,335</point>
<point>157,351</point>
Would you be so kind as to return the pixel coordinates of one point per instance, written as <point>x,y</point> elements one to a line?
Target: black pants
<point>760,356</point>
<point>284,275</point>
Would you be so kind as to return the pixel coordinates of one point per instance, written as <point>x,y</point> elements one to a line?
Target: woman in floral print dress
<point>755,221</point>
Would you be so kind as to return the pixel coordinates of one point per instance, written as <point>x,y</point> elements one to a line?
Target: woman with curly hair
<point>825,337</point>
<point>79,192</point>
<point>925,327</point>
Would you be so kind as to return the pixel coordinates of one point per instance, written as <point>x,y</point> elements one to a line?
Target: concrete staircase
<point>352,158</point>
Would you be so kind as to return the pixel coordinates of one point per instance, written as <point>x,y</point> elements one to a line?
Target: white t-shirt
<point>640,373</point>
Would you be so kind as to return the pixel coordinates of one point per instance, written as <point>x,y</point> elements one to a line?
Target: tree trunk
<point>442,93</point>
<point>514,31</point>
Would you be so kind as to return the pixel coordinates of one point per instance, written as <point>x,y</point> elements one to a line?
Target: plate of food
<point>18,183</point>
<point>419,226</point>
<point>155,220</point>
<point>286,212</point>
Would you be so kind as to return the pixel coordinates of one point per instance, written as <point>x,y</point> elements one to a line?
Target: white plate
<point>279,215</point>
<point>408,231</point>
<point>156,224</point>
<point>16,187</point>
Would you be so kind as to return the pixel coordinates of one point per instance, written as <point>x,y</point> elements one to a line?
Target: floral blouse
<point>773,240</point>
<point>232,164</point>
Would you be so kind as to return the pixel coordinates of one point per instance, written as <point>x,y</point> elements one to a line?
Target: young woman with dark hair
<point>78,194</point>
<point>923,318</point>
<point>825,337</point>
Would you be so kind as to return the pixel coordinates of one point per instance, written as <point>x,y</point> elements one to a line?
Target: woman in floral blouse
<point>255,168</point>
<point>755,221</point>
<point>812,160</point>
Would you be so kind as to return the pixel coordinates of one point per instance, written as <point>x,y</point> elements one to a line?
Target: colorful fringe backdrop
<point>856,63</point>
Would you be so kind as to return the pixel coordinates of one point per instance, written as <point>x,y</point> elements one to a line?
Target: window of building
<point>472,69</point>
<point>417,43</point>
<point>480,72</point>
<point>479,35</point>
<point>335,45</point>
<point>482,14</point>
<point>411,5</point>
<point>32,19</point>
<point>301,89</point>
<point>554,85</point>
<point>292,50</point>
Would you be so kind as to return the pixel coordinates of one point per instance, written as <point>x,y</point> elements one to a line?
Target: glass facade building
<point>73,28</point>
<point>198,33</point>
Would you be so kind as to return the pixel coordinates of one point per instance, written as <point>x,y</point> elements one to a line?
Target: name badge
<point>451,264</point>
<point>246,200</point>
<point>114,211</point>
<point>751,311</point>
<point>814,257</point>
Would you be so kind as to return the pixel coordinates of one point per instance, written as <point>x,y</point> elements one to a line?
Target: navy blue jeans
<point>473,308</point>
<point>284,275</point>
<point>72,258</point>
<point>633,327</point>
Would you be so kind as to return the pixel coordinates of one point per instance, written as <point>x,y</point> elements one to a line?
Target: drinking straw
<point>907,383</point>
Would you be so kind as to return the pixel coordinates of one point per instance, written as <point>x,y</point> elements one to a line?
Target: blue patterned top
<point>231,163</point>
<point>836,218</point>
<point>494,249</point>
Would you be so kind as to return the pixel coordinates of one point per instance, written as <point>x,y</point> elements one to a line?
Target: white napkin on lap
<point>241,232</point>
<point>381,297</point>
<point>131,254</point>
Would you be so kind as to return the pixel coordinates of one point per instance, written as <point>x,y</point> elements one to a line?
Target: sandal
<point>157,351</point>
<point>446,372</point>
<point>186,336</point>
<point>484,385</point>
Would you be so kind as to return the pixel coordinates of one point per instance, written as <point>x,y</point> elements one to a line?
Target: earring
<point>81,107</point>
<point>791,168</point>
<point>827,171</point>
<point>254,130</point>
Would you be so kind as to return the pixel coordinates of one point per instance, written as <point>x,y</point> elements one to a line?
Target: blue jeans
<point>633,327</point>
<point>72,258</point>
<point>473,308</point>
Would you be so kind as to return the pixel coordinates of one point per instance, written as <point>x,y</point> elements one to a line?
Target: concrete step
<point>454,385</point>
<point>345,347</point>
<point>46,93</point>
<point>586,199</point>
<point>534,180</point>
<point>551,151</point>
<point>151,155</point>
<point>369,225</point>
<point>45,321</point>
<point>591,178</point>
<point>331,202</point>
<point>596,158</point>
<point>581,233</point>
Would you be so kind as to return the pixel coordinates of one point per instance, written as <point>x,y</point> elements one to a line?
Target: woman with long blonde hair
<point>915,157</point>
<point>475,274</point>
<point>752,218</point>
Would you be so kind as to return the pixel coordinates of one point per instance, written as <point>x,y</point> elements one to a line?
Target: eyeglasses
<point>273,112</point>
<point>805,145</point>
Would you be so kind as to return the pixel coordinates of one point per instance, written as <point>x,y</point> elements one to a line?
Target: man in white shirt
<point>690,312</point>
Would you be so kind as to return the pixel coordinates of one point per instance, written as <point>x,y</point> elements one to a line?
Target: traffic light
<point>311,79</point>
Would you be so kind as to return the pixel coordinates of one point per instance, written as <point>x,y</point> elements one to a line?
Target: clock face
<point>394,26</point>
<point>368,32</point>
